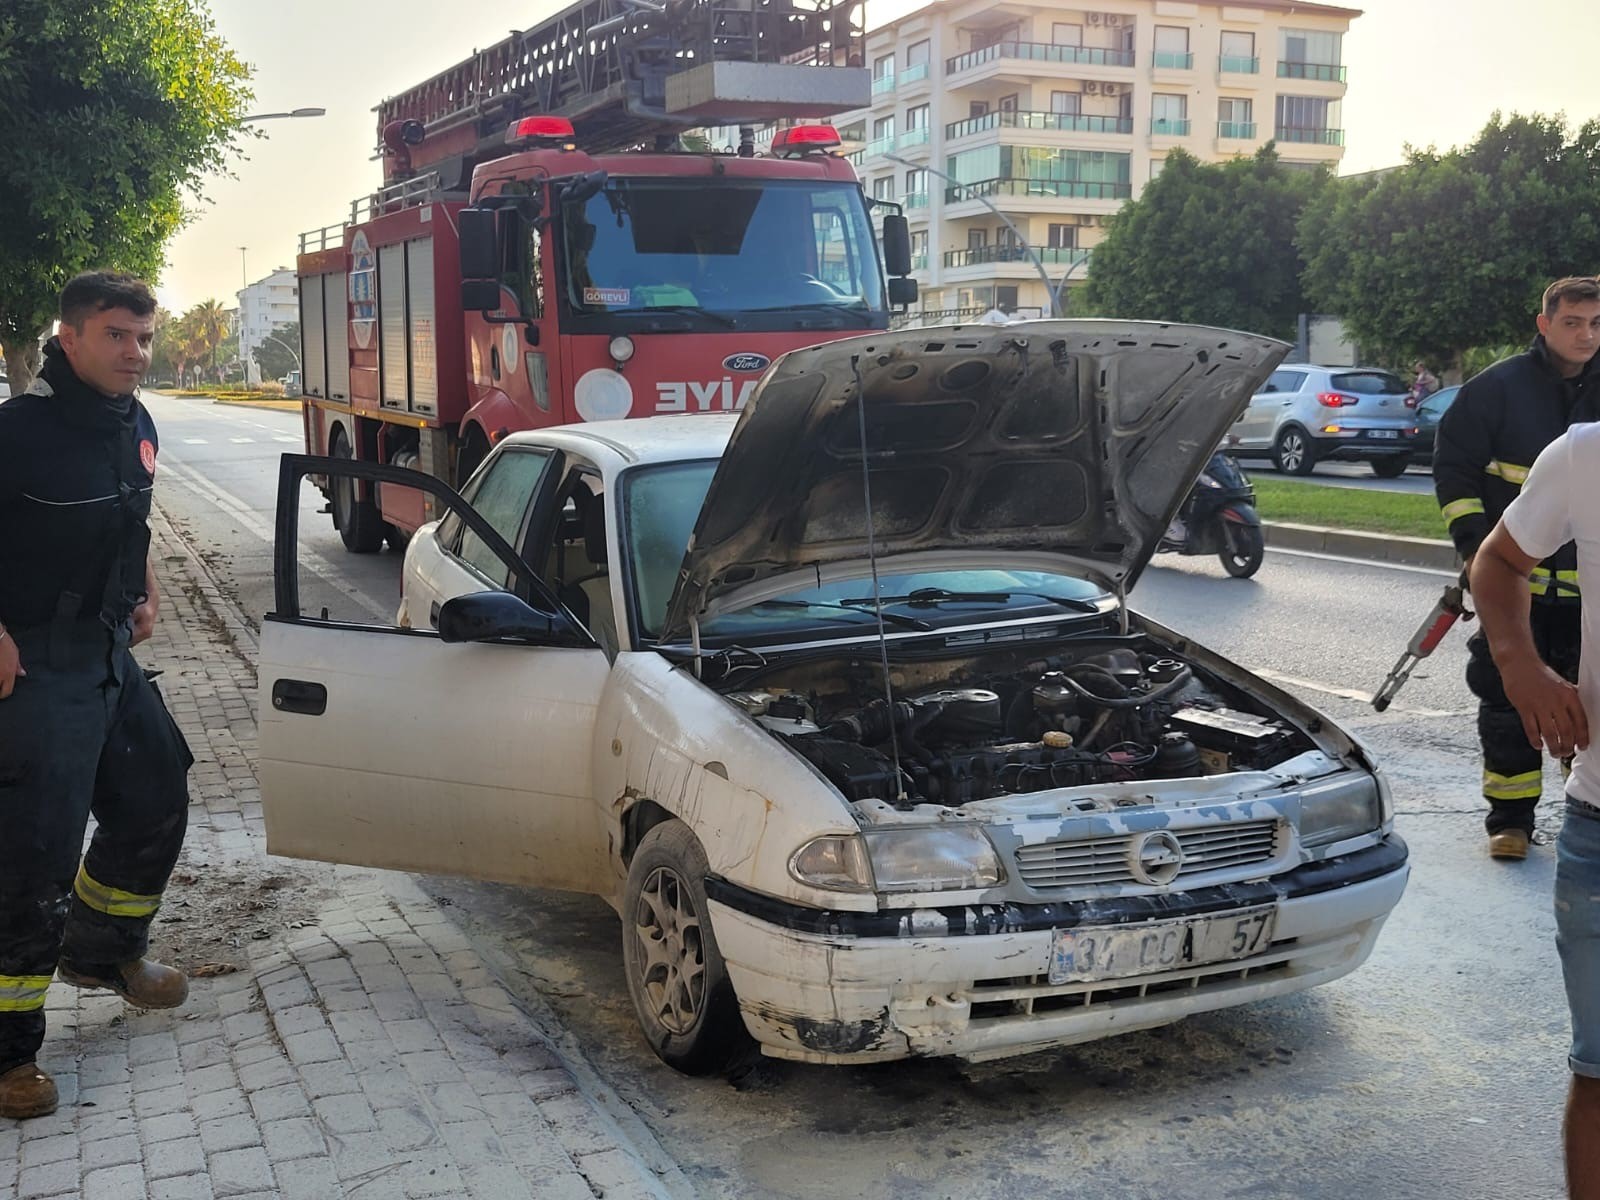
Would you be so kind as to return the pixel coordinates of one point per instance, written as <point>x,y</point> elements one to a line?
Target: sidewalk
<point>342,1037</point>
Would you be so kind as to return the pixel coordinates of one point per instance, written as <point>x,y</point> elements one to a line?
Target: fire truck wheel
<point>397,538</point>
<point>359,522</point>
<point>680,989</point>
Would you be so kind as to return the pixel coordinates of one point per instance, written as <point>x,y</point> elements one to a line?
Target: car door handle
<point>299,696</point>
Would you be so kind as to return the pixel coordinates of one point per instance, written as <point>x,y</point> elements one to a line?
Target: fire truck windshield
<point>756,254</point>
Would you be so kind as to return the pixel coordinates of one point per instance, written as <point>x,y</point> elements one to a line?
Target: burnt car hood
<point>1064,444</point>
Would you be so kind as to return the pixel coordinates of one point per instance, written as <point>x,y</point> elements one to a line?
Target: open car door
<point>460,751</point>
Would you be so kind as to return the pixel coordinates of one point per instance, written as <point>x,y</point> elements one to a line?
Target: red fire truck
<point>531,261</point>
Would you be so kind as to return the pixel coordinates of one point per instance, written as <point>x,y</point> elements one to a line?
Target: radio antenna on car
<point>877,589</point>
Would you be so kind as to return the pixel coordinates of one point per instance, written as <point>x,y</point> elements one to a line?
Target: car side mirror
<point>500,616</point>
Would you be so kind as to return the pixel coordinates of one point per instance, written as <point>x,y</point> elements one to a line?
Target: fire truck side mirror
<point>479,295</point>
<point>480,245</point>
<point>897,244</point>
<point>902,292</point>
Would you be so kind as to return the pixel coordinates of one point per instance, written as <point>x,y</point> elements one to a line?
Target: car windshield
<point>711,251</point>
<point>1370,383</point>
<point>660,505</point>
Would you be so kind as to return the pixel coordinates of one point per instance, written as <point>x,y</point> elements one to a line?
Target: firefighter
<point>81,727</point>
<point>1487,442</point>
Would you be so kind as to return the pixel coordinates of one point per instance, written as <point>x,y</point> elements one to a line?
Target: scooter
<point>1219,517</point>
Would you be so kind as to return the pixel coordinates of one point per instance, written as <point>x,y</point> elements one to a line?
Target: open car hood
<point>1075,441</point>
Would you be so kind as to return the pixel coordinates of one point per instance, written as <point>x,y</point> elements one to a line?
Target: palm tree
<point>211,326</point>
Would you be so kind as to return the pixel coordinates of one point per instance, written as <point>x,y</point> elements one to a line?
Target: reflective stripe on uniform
<point>114,902</point>
<point>1567,583</point>
<point>1457,509</point>
<point>1539,581</point>
<point>1512,787</point>
<point>1510,472</point>
<point>23,993</point>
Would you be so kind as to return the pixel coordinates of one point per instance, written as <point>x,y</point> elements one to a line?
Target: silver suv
<point>1306,414</point>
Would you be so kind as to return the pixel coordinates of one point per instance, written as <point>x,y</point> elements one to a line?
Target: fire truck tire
<point>397,538</point>
<point>679,985</point>
<point>359,522</point>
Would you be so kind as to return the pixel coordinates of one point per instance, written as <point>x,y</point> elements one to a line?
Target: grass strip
<point>1367,510</point>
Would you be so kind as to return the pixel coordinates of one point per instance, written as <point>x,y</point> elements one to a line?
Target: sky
<point>1421,72</point>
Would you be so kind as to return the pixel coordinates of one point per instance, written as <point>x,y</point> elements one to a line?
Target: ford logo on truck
<point>746,362</point>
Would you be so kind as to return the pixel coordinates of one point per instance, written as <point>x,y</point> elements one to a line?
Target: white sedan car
<point>864,778</point>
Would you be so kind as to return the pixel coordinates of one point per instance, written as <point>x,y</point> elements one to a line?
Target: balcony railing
<point>1234,64</point>
<point>883,145</point>
<point>1172,60</point>
<point>1002,253</point>
<point>1043,189</point>
<point>1242,131</point>
<point>1060,122</point>
<point>915,200</point>
<point>882,85</point>
<point>1320,137</point>
<point>1039,52</point>
<point>914,74</point>
<point>912,137</point>
<point>1164,127</point>
<point>919,262</point>
<point>1322,72</point>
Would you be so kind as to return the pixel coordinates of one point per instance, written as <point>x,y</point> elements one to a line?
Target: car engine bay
<point>975,729</point>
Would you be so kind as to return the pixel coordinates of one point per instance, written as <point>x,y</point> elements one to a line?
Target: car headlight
<point>837,862</point>
<point>1344,807</point>
<point>1208,481</point>
<point>953,857</point>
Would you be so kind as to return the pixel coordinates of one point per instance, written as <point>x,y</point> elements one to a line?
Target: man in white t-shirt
<point>1560,503</point>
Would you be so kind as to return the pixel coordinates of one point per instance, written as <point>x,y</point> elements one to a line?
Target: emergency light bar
<point>803,138</point>
<point>542,129</point>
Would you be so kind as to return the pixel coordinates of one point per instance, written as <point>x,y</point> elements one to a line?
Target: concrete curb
<point>1349,543</point>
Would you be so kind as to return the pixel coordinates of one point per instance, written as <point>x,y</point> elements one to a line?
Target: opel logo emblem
<point>1155,858</point>
<point>746,362</point>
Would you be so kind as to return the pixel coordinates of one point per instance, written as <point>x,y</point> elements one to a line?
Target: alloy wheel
<point>671,952</point>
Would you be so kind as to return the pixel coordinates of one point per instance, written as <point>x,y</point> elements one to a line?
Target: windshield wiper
<point>896,619</point>
<point>932,596</point>
<point>678,310</point>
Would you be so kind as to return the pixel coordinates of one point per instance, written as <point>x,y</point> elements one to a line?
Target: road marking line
<point>1329,689</point>
<point>242,441</point>
<point>291,440</point>
<point>1366,562</point>
<point>195,442</point>
<point>241,512</point>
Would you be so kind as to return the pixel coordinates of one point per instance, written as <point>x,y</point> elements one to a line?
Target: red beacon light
<point>541,129</point>
<point>804,139</point>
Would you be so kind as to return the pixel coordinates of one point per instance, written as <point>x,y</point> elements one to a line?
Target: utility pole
<point>244,271</point>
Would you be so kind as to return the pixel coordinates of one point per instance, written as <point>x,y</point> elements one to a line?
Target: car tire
<point>1243,548</point>
<point>1391,466</point>
<point>1293,452</point>
<point>361,526</point>
<point>474,449</point>
<point>681,994</point>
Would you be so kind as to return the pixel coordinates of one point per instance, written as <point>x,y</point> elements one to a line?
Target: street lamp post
<point>278,116</point>
<point>292,352</point>
<point>1050,289</point>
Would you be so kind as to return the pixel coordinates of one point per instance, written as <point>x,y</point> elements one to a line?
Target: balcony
<point>1091,56</point>
<point>1233,64</point>
<point>1320,72</point>
<point>854,158</point>
<point>1240,131</point>
<point>1056,122</point>
<point>883,85</point>
<point>1172,60</point>
<point>914,74</point>
<point>1042,189</point>
<point>919,262</point>
<point>1315,137</point>
<point>1049,255</point>
<point>915,200</point>
<point>883,145</point>
<point>912,137</point>
<point>1163,127</point>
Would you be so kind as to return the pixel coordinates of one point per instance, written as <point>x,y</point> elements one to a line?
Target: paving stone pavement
<point>360,1049</point>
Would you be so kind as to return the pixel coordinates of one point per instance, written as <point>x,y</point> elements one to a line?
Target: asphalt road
<point>1416,480</point>
<point>1436,1070</point>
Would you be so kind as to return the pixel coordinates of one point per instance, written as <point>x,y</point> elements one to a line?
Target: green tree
<point>112,112</point>
<point>212,325</point>
<point>279,355</point>
<point>1208,243</point>
<point>1451,251</point>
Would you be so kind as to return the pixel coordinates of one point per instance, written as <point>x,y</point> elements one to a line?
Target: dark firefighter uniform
<point>1487,442</point>
<point>84,730</point>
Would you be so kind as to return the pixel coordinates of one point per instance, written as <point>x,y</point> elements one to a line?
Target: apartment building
<point>1026,123</point>
<point>264,306</point>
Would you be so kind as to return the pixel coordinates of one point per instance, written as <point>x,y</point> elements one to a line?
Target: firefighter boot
<point>1508,844</point>
<point>142,983</point>
<point>25,1092</point>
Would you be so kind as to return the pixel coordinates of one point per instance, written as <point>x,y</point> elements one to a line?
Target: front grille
<point>1097,862</point>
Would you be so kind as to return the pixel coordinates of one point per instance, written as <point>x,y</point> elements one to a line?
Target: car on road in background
<point>863,779</point>
<point>1307,414</point>
<point>1429,413</point>
<point>5,386</point>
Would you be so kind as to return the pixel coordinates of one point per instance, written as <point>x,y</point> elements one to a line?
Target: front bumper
<point>863,987</point>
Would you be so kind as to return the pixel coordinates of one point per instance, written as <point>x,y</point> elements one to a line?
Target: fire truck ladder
<point>627,71</point>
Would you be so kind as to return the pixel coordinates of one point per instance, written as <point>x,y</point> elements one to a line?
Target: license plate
<point>1383,433</point>
<point>1121,951</point>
